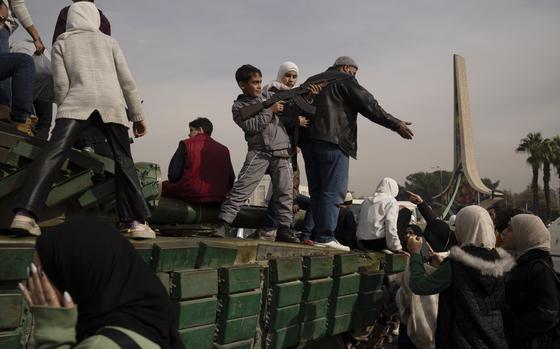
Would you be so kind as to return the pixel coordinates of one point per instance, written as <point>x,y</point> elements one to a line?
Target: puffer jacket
<point>470,311</point>
<point>532,297</point>
<point>264,131</point>
<point>338,105</point>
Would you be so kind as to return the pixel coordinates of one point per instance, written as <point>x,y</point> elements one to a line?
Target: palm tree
<point>547,157</point>
<point>556,154</point>
<point>531,145</point>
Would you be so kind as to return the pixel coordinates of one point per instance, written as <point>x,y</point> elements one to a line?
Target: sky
<point>184,54</point>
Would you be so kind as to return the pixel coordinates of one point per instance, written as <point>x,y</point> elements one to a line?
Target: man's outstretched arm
<point>367,105</point>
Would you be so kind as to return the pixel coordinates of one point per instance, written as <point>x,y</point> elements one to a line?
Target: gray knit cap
<point>345,60</point>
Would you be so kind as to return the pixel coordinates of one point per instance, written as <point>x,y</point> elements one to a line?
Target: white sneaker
<point>140,231</point>
<point>333,244</point>
<point>25,226</point>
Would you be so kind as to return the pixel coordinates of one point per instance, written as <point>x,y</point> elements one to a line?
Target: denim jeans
<point>304,203</point>
<point>326,166</point>
<point>21,68</point>
<point>5,95</point>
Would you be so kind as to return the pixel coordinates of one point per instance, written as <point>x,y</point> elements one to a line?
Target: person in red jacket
<point>200,171</point>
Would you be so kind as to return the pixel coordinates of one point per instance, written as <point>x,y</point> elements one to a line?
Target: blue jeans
<point>5,95</point>
<point>21,68</point>
<point>326,166</point>
<point>304,203</point>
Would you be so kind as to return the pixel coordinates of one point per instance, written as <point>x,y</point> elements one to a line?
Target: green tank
<point>231,293</point>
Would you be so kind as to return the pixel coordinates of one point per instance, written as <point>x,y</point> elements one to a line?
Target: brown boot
<point>28,126</point>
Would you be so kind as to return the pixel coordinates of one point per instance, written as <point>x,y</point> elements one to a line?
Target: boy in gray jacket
<point>269,152</point>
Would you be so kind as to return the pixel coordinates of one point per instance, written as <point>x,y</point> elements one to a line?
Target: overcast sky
<point>183,55</point>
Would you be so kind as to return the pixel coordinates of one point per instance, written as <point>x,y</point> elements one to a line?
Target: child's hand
<point>303,121</point>
<point>40,291</point>
<point>139,128</point>
<point>278,107</point>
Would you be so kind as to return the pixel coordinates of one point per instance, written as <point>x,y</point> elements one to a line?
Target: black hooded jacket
<point>338,106</point>
<point>470,311</point>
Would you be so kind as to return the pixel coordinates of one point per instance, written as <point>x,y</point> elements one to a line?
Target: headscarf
<point>277,84</point>
<point>528,233</point>
<point>83,16</point>
<point>387,188</point>
<point>109,281</point>
<point>474,227</point>
<point>286,67</point>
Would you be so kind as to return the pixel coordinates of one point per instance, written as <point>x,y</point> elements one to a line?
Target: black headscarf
<point>438,235</point>
<point>108,280</point>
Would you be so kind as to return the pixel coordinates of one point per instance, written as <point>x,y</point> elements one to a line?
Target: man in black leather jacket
<point>331,139</point>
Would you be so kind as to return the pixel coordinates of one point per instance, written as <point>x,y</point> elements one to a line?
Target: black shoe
<point>286,235</point>
<point>221,230</point>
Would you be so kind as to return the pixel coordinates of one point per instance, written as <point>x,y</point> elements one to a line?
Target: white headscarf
<point>474,227</point>
<point>284,68</point>
<point>83,16</point>
<point>388,187</point>
<point>528,233</point>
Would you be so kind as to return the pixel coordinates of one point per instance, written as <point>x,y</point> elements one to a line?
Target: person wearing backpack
<point>532,288</point>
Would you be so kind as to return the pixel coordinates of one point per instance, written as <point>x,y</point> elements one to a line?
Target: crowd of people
<point>482,279</point>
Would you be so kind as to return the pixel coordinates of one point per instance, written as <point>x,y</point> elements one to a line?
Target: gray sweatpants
<point>256,165</point>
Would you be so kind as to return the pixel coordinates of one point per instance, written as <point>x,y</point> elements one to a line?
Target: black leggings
<point>131,204</point>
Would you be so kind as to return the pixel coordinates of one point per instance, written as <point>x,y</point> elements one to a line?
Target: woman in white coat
<point>377,223</point>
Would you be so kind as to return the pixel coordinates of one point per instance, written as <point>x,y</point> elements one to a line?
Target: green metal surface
<point>317,289</point>
<point>239,278</point>
<point>247,344</point>
<point>313,329</point>
<point>189,284</point>
<point>10,340</point>
<point>10,311</point>
<point>346,263</point>
<point>339,324</point>
<point>14,263</point>
<point>285,294</point>
<point>229,331</point>
<point>395,263</point>
<point>344,304</point>
<point>372,300</point>
<point>239,305</point>
<point>371,280</point>
<point>12,182</point>
<point>201,337</point>
<point>346,284</point>
<point>197,312</point>
<point>172,256</point>
<point>8,157</point>
<point>279,318</point>
<point>165,279</point>
<point>285,269</point>
<point>315,267</point>
<point>315,310</point>
<point>284,338</point>
<point>68,188</point>
<point>215,254</point>
<point>102,192</point>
